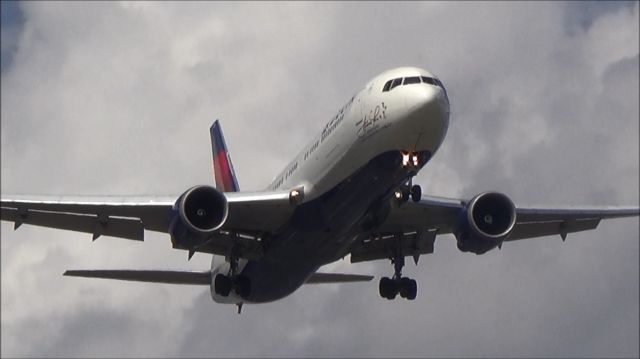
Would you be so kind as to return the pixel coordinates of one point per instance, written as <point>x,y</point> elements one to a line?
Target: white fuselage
<point>408,118</point>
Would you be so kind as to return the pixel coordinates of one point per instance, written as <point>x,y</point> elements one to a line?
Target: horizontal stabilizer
<point>154,276</point>
<point>321,278</point>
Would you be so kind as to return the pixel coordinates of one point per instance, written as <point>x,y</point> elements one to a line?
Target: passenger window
<point>395,83</point>
<point>386,86</point>
<point>411,80</point>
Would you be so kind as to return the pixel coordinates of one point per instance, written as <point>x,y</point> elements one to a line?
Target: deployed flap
<point>381,246</point>
<point>154,276</point>
<point>321,278</point>
<point>223,172</point>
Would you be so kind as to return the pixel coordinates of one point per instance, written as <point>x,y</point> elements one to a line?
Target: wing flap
<point>525,230</point>
<point>127,228</point>
<point>151,276</point>
<point>381,246</point>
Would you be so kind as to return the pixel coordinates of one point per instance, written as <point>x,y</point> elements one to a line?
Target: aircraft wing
<point>197,278</point>
<point>416,224</point>
<point>249,213</point>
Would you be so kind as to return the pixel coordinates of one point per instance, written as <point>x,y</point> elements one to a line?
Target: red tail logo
<point>223,171</point>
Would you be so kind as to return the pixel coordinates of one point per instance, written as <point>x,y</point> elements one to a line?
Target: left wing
<point>197,278</point>
<point>250,214</point>
<point>415,225</point>
<point>117,217</point>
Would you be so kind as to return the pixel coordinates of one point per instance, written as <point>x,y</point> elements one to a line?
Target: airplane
<point>348,192</point>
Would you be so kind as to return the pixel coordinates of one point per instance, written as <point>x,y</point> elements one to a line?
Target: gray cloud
<point>116,98</point>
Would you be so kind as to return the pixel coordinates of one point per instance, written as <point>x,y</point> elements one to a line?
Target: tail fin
<point>223,171</point>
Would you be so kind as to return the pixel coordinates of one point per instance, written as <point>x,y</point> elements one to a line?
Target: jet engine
<point>197,214</point>
<point>486,221</point>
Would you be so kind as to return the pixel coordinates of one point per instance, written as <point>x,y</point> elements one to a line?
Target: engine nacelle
<point>197,214</point>
<point>487,220</point>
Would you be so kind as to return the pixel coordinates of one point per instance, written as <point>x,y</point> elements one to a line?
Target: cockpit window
<point>411,80</point>
<point>386,86</point>
<point>427,80</point>
<point>439,83</point>
<point>389,85</point>
<point>396,82</point>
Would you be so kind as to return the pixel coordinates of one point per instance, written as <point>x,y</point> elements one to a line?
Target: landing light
<point>415,160</point>
<point>296,195</point>
<point>398,194</point>
<point>405,159</point>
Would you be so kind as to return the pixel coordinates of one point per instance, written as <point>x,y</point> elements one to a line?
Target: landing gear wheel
<point>404,284</point>
<point>388,288</point>
<point>411,289</point>
<point>416,193</point>
<point>222,285</point>
<point>405,195</point>
<point>243,286</point>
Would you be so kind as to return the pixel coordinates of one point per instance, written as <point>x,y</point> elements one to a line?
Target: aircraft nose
<point>430,104</point>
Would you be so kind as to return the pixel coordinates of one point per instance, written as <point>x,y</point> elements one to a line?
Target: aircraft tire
<point>412,289</point>
<point>222,285</point>
<point>404,286</point>
<point>406,193</point>
<point>243,286</point>
<point>388,288</point>
<point>416,193</point>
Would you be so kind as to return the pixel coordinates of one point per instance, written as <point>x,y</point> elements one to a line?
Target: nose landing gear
<point>407,191</point>
<point>389,288</point>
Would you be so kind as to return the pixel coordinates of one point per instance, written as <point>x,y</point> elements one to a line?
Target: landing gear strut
<point>390,287</point>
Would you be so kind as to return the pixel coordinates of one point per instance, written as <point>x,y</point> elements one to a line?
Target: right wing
<point>415,226</point>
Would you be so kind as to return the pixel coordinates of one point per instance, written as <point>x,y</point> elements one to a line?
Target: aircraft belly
<point>321,230</point>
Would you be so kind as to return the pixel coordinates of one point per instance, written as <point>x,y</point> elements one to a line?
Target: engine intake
<point>488,219</point>
<point>198,213</point>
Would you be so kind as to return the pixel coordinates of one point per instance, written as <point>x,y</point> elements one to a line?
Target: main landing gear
<point>390,287</point>
<point>224,284</point>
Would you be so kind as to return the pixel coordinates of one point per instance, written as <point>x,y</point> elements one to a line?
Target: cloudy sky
<point>117,98</point>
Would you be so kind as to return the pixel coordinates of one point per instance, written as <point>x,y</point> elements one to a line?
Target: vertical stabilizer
<point>223,171</point>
